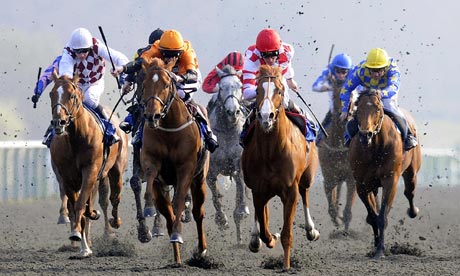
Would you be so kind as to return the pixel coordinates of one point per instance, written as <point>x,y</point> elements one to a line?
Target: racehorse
<point>172,154</point>
<point>335,168</point>
<point>77,160</point>
<point>377,160</point>
<point>227,115</point>
<point>277,161</point>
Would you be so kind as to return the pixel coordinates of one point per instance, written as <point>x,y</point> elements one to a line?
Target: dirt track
<point>33,244</point>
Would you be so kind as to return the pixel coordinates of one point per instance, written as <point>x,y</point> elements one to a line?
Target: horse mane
<point>74,80</point>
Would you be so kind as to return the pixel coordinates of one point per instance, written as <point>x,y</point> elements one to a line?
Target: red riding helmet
<point>268,40</point>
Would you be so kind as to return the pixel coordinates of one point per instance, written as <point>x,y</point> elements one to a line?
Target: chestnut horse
<point>226,116</point>
<point>335,168</point>
<point>377,160</point>
<point>77,158</point>
<point>277,161</point>
<point>172,154</point>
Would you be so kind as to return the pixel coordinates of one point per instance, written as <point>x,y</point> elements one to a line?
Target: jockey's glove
<point>35,98</point>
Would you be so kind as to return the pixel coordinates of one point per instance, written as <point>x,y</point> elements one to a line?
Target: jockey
<point>333,76</point>
<point>211,82</point>
<point>270,50</point>
<point>85,55</point>
<point>172,46</point>
<point>380,72</point>
<point>133,77</point>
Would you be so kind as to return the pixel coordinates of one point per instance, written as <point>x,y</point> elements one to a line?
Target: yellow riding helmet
<point>377,58</point>
<point>171,40</point>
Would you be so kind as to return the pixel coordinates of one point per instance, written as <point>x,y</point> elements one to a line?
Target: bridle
<point>75,107</point>
<point>232,95</point>
<point>377,126</point>
<point>166,104</point>
<point>277,109</point>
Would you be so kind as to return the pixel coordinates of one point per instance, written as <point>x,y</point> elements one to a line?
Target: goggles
<point>81,51</point>
<point>376,70</point>
<point>171,53</point>
<point>341,71</point>
<point>269,54</point>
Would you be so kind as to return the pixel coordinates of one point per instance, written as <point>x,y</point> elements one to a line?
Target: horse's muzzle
<point>153,120</point>
<point>59,126</point>
<point>366,138</point>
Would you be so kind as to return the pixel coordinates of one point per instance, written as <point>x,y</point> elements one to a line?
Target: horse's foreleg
<point>104,203</point>
<point>312,233</point>
<point>241,209</point>
<point>255,242</point>
<point>198,196</point>
<point>63,211</point>
<point>220,218</point>
<point>410,181</point>
<point>116,184</point>
<point>330,188</point>
<point>262,213</point>
<point>367,197</point>
<point>350,201</point>
<point>289,208</point>
<point>85,249</point>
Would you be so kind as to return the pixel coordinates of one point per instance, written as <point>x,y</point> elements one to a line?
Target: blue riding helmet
<point>342,61</point>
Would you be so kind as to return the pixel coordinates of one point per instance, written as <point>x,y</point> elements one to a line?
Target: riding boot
<point>409,140</point>
<point>49,133</point>
<point>137,138</point>
<point>111,138</point>
<point>127,124</point>
<point>210,138</point>
<point>351,128</point>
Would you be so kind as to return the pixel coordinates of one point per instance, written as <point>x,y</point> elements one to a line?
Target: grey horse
<point>227,115</point>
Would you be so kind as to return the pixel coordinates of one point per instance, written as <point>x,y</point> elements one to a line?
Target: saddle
<point>309,129</point>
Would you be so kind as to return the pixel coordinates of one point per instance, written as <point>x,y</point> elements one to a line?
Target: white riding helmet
<point>80,38</point>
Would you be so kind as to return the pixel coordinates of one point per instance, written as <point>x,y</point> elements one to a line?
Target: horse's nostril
<point>272,115</point>
<point>62,122</point>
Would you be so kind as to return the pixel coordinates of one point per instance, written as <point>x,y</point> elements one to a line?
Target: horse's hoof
<point>156,232</point>
<point>176,238</point>
<point>85,253</point>
<point>197,253</point>
<point>95,215</point>
<point>313,235</point>
<point>75,236</point>
<point>379,255</point>
<point>255,244</point>
<point>221,221</point>
<point>143,233</point>
<point>186,216</point>
<point>63,219</point>
<point>115,222</point>
<point>149,212</point>
<point>413,213</point>
<point>242,210</point>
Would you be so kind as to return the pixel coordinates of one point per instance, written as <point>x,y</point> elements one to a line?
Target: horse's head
<point>66,101</point>
<point>159,91</point>
<point>270,94</point>
<point>230,93</point>
<point>369,114</point>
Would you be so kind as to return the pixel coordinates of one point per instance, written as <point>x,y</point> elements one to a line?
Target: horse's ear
<point>219,72</point>
<point>76,78</point>
<point>169,66</point>
<point>54,76</point>
<point>239,73</point>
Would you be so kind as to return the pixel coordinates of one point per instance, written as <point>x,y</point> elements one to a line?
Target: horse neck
<point>178,113</point>
<point>336,103</point>
<point>276,139</point>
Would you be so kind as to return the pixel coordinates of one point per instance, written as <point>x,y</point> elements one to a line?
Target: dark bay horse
<point>226,116</point>
<point>335,168</point>
<point>277,161</point>
<point>172,154</point>
<point>377,160</point>
<point>77,158</point>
